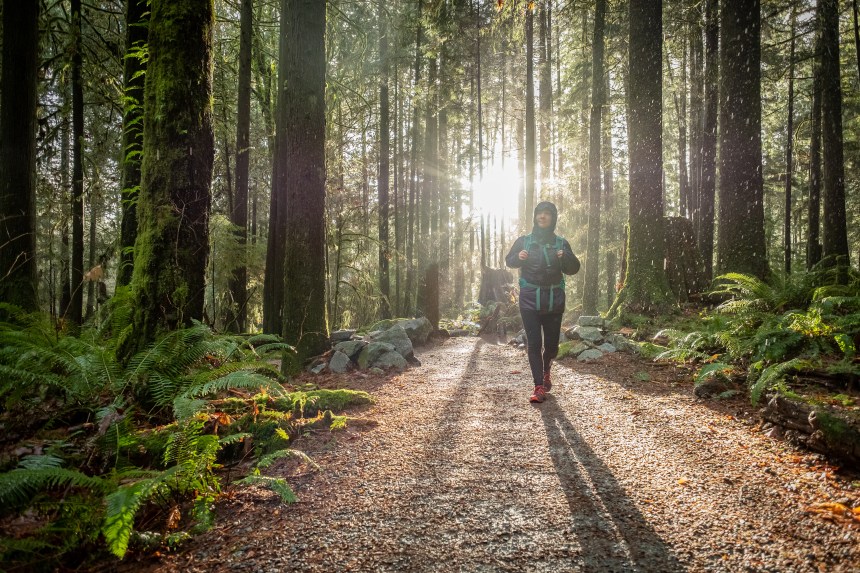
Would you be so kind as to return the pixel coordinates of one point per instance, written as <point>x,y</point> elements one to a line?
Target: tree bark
<point>530,119</point>
<point>813,243</point>
<point>384,165</point>
<point>136,17</point>
<point>18,155</point>
<point>645,287</point>
<point>178,149</point>
<point>592,258</point>
<point>238,308</point>
<point>303,184</point>
<point>835,226</point>
<point>708,180</point>
<point>545,96</point>
<point>789,151</point>
<point>741,241</point>
<point>76,310</point>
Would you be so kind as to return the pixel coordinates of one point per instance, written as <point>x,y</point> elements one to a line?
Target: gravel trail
<point>458,472</point>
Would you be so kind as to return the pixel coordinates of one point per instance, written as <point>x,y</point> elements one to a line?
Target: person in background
<point>543,259</point>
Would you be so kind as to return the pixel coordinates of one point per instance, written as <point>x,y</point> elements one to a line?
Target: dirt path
<point>462,474</point>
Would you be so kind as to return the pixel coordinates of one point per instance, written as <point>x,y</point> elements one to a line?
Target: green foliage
<point>779,327</point>
<point>159,432</point>
<point>311,402</point>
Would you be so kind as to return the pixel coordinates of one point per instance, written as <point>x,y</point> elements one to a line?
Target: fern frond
<point>775,374</point>
<point>18,486</point>
<point>709,369</point>
<point>277,485</point>
<point>234,438</point>
<point>236,380</point>
<point>184,408</point>
<point>268,459</point>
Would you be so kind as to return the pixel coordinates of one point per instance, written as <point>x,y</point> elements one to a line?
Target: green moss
<point>312,402</point>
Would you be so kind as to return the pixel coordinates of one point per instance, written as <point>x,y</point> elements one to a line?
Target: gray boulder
<point>318,368</point>
<point>456,332</point>
<point>397,337</point>
<point>340,336</point>
<point>391,359</point>
<point>590,354</point>
<point>607,348</point>
<point>596,321</point>
<point>418,329</point>
<point>351,348</point>
<point>339,363</point>
<point>588,333</point>
<point>371,353</point>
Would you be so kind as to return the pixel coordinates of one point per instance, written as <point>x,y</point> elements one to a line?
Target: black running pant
<point>542,346</point>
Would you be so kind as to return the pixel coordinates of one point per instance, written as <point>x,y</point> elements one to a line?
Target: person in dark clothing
<point>543,259</point>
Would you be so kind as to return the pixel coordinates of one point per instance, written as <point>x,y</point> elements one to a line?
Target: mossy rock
<point>310,403</point>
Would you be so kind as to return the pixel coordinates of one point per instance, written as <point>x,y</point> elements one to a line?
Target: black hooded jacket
<point>536,272</point>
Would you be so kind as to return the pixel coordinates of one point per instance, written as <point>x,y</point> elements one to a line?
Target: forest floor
<point>453,470</point>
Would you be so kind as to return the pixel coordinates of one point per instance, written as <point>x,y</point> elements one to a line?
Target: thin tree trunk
<point>238,314</point>
<point>545,97</point>
<point>708,180</point>
<point>384,164</point>
<point>76,311</point>
<point>591,290</point>
<point>410,225</point>
<point>789,150</point>
<point>530,117</point>
<point>813,244</point>
<point>18,96</point>
<point>91,259</point>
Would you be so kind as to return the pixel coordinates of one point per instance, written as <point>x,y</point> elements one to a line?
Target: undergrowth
<point>100,454</point>
<point>774,330</point>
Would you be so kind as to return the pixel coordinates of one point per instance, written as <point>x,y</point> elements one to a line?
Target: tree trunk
<point>697,111</point>
<point>545,96</point>
<point>610,226</point>
<point>18,154</point>
<point>238,308</point>
<point>684,268</point>
<point>741,241</point>
<point>592,258</point>
<point>789,150</point>
<point>708,182</point>
<point>530,118</point>
<point>645,288</point>
<point>409,290</point>
<point>813,243</point>
<point>178,149</point>
<point>303,150</point>
<point>76,310</point>
<point>137,16</point>
<point>835,226</point>
<point>384,165</point>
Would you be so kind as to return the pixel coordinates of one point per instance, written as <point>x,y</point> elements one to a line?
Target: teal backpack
<point>559,243</point>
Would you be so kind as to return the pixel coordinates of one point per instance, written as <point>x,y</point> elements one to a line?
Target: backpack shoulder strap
<point>559,243</point>
<point>527,243</point>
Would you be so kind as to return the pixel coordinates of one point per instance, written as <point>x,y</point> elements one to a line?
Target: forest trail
<point>458,472</point>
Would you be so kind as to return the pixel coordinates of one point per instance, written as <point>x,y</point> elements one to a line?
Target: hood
<point>549,232</point>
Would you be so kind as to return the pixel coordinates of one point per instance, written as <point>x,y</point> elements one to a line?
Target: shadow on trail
<point>613,534</point>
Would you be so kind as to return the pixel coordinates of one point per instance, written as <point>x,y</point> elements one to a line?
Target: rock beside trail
<point>417,329</point>
<point>340,336</point>
<point>390,344</point>
<point>372,351</point>
<point>587,340</point>
<point>340,362</point>
<point>351,348</point>
<point>397,337</point>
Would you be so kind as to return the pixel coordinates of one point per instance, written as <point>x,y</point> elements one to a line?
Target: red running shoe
<point>547,384</point>
<point>538,395</point>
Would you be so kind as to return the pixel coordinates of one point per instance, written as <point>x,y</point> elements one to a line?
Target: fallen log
<point>821,428</point>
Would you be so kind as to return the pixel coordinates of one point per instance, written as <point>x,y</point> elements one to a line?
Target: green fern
<point>775,374</point>
<point>277,485</point>
<point>17,487</point>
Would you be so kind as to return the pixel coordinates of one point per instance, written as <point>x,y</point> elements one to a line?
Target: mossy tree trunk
<point>384,165</point>
<point>18,154</point>
<point>740,240</point>
<point>645,287</point>
<point>173,207</point>
<point>303,150</point>
<point>137,17</point>
<point>708,179</point>
<point>76,309</point>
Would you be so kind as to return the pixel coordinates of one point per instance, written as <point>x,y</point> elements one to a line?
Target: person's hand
<point>559,253</point>
<point>523,255</point>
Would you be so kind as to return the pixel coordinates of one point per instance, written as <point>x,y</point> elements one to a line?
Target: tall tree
<point>544,95</point>
<point>598,97</point>
<point>741,241</point>
<point>645,285</point>
<point>530,116</point>
<point>303,150</point>
<point>813,236</point>
<point>238,309</point>
<point>835,226</point>
<point>708,177</point>
<point>173,207</point>
<point>384,163</point>
<point>789,149</point>
<point>18,154</point>
<point>76,309</point>
<point>134,66</point>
